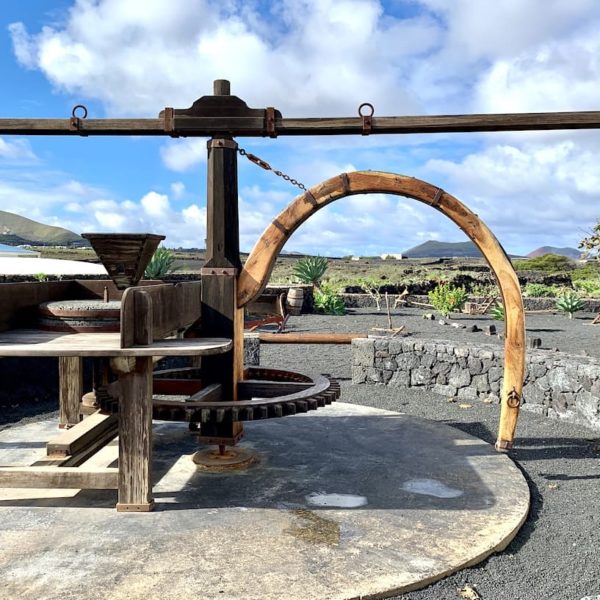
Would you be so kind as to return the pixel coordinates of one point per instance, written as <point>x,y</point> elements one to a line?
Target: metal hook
<point>75,121</point>
<point>367,119</point>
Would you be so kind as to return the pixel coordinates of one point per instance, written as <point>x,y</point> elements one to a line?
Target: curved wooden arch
<point>257,270</point>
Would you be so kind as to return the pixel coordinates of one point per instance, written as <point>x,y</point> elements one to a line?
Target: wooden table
<point>133,479</point>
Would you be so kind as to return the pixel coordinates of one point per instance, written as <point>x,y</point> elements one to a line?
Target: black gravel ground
<point>556,555</point>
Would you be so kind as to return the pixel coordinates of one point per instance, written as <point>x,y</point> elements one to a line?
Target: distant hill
<point>432,248</point>
<point>17,230</point>
<point>570,252</point>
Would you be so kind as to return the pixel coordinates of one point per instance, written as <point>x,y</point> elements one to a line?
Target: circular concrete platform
<point>347,502</point>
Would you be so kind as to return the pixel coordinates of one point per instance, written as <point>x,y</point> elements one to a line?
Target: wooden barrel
<point>295,299</point>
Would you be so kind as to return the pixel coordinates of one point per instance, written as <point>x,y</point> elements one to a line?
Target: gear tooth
<point>205,415</point>
<point>277,410</point>
<point>312,404</point>
<point>234,414</point>
<point>249,413</point>
<point>219,415</point>
<point>290,408</point>
<point>263,412</point>
<point>302,406</point>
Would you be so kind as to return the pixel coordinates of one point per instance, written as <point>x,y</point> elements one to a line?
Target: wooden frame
<point>261,261</point>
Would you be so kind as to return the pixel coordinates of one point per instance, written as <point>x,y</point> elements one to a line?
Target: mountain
<point>570,252</point>
<point>432,248</point>
<point>17,230</point>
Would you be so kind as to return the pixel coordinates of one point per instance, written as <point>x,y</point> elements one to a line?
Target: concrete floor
<point>346,502</point>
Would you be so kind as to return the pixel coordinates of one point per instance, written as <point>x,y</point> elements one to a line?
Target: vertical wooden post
<point>70,374</point>
<point>135,438</point>
<point>220,272</point>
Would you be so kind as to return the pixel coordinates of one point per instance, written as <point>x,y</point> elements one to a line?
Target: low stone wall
<point>556,384</point>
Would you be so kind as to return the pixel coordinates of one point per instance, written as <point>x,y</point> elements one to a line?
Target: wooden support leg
<point>135,438</point>
<point>70,373</point>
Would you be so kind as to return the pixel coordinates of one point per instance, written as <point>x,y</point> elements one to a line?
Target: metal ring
<point>82,107</point>
<point>367,105</point>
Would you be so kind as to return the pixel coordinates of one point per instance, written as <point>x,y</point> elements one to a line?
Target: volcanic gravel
<point>556,554</point>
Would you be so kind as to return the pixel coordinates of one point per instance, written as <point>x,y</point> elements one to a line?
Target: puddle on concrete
<point>336,500</point>
<point>315,529</point>
<point>431,487</point>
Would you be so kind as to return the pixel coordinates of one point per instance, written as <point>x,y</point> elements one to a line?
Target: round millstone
<point>80,316</point>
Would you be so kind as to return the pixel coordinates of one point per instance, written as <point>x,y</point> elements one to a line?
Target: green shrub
<point>539,290</point>
<point>446,298</point>
<point>590,270</point>
<point>589,287</point>
<point>311,270</point>
<point>161,264</point>
<point>548,263</point>
<point>498,311</point>
<point>40,277</point>
<point>327,301</point>
<point>569,303</point>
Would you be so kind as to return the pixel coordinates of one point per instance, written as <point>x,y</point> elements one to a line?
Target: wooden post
<point>220,272</point>
<point>135,438</point>
<point>70,373</point>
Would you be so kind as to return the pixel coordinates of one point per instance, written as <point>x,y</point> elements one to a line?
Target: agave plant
<point>311,270</point>
<point>161,264</point>
<point>498,311</point>
<point>569,303</point>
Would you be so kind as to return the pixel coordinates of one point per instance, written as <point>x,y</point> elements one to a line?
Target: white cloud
<point>181,155</point>
<point>16,151</point>
<point>155,205</point>
<point>178,189</point>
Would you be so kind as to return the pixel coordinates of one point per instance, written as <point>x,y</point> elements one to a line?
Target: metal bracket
<point>270,121</point>
<point>367,119</point>
<point>503,445</point>
<point>170,122</point>
<point>75,121</point>
<point>221,143</point>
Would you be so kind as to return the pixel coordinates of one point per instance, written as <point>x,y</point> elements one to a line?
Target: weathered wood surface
<point>255,126</point>
<point>59,477</point>
<point>261,260</point>
<point>166,310</point>
<point>85,433</point>
<point>308,338</point>
<point>266,310</point>
<point>135,438</point>
<point>70,381</point>
<point>33,342</point>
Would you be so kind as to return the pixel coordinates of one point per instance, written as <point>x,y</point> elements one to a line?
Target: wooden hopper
<point>124,255</point>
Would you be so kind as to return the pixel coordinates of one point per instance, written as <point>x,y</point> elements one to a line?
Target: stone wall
<point>556,384</point>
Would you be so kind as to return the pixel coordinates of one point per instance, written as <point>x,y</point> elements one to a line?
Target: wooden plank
<point>308,338</point>
<point>83,434</point>
<point>261,260</point>
<point>33,342</point>
<point>211,393</point>
<point>174,308</point>
<point>59,477</point>
<point>253,126</point>
<point>135,438</point>
<point>70,381</point>
<point>20,301</point>
<point>255,388</point>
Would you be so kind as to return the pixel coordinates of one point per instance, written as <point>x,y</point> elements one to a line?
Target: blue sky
<point>307,58</point>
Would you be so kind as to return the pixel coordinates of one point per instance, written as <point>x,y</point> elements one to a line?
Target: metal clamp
<point>75,120</point>
<point>270,121</point>
<point>367,119</point>
<point>513,400</point>
<point>169,125</point>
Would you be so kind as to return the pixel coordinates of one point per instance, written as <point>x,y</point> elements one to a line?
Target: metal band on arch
<point>257,269</point>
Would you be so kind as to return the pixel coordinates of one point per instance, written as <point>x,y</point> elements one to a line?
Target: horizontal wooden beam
<point>186,126</point>
<point>59,477</point>
<point>85,433</point>
<point>309,338</point>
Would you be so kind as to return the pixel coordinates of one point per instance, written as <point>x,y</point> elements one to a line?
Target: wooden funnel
<point>124,255</point>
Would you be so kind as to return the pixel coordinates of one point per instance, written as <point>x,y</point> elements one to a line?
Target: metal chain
<point>267,167</point>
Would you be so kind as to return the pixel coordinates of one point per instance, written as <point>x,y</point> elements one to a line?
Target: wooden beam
<point>74,440</point>
<point>255,126</point>
<point>308,338</point>
<point>59,477</point>
<point>135,438</point>
<point>70,378</point>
